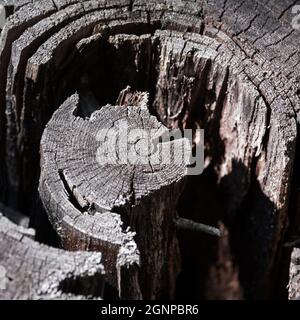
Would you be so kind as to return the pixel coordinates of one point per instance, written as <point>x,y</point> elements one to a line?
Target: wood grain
<point>228,67</point>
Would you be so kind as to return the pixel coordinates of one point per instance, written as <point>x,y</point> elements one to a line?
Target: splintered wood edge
<point>44,269</point>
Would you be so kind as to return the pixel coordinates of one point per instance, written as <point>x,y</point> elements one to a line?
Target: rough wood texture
<point>15,3</point>
<point>81,191</point>
<point>229,67</point>
<point>294,284</point>
<point>33,271</point>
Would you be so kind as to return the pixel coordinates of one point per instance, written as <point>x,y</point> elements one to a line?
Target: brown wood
<point>228,67</point>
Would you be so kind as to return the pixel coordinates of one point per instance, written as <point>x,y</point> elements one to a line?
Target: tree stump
<point>86,180</point>
<point>229,67</point>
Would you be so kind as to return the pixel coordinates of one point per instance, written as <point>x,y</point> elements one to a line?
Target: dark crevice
<point>9,10</point>
<point>88,286</point>
<point>131,5</point>
<point>292,236</point>
<point>45,232</point>
<point>198,203</point>
<point>247,230</point>
<point>70,193</point>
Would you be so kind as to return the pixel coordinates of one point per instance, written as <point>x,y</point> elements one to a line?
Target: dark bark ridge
<point>204,65</point>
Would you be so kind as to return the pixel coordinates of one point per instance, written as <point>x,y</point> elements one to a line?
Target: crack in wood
<point>222,67</point>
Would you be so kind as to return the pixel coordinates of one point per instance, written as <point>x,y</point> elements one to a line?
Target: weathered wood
<point>228,67</point>
<point>38,108</point>
<point>294,283</point>
<point>242,141</point>
<point>29,270</point>
<point>13,28</point>
<point>274,48</point>
<point>142,190</point>
<point>23,48</point>
<point>15,3</point>
<point>9,7</point>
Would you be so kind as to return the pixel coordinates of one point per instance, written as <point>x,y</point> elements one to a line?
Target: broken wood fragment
<point>45,273</point>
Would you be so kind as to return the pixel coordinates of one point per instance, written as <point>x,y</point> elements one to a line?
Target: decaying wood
<point>29,270</point>
<point>16,4</point>
<point>294,284</point>
<point>229,67</point>
<point>8,7</point>
<point>145,195</point>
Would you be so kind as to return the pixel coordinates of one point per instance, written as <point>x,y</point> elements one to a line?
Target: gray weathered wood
<point>143,192</point>
<point>29,270</point>
<point>24,48</point>
<point>228,67</point>
<point>294,283</point>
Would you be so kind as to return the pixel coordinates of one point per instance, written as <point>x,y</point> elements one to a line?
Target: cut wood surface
<point>228,67</point>
<point>88,178</point>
